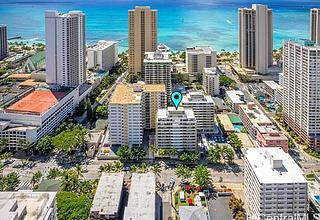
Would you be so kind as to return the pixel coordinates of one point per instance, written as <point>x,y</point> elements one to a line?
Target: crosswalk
<point>25,185</point>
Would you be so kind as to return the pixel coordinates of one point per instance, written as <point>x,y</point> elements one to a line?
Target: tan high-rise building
<point>132,108</point>
<point>255,38</point>
<point>200,57</point>
<point>142,35</point>
<point>315,25</point>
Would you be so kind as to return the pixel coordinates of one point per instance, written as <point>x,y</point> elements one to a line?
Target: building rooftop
<point>36,102</point>
<point>272,84</point>
<point>108,195</point>
<point>211,71</point>
<point>102,45</point>
<point>36,204</point>
<point>226,122</point>
<point>171,112</point>
<point>131,93</point>
<point>200,49</point>
<point>255,114</point>
<point>164,48</point>
<point>142,197</point>
<point>197,97</point>
<point>235,96</point>
<point>19,76</point>
<point>270,132</point>
<point>157,56</point>
<point>245,140</point>
<point>273,165</point>
<point>192,213</point>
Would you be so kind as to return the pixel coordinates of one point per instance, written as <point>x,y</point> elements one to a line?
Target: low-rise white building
<point>210,81</point>
<point>176,128</point>
<point>274,185</point>
<point>106,202</point>
<point>235,98</point>
<point>103,55</point>
<point>203,109</point>
<point>24,205</point>
<point>142,198</point>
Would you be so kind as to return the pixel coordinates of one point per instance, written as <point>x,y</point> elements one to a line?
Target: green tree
<point>137,153</point>
<point>214,154</point>
<point>124,153</point>
<point>189,156</point>
<point>229,154</point>
<point>9,182</point>
<point>202,176</point>
<point>44,145</point>
<point>4,142</point>
<point>68,141</point>
<point>226,81</point>
<point>90,115</point>
<point>70,181</point>
<point>117,166</point>
<point>102,111</point>
<point>156,169</point>
<point>234,141</point>
<point>183,172</point>
<point>71,205</point>
<point>35,181</point>
<point>53,173</point>
<point>107,168</point>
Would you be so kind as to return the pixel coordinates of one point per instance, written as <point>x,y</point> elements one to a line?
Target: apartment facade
<point>255,38</point>
<point>274,185</point>
<point>252,117</point>
<point>235,98</point>
<point>203,109</point>
<point>133,108</point>
<point>315,25</point>
<point>200,57</point>
<point>157,69</point>
<point>142,35</point>
<point>65,48</point>
<point>210,81</point>
<point>4,50</point>
<point>103,55</point>
<point>176,128</point>
<point>270,136</point>
<point>301,69</point>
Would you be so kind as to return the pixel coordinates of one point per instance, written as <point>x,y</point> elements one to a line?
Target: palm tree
<point>143,168</point>
<point>53,173</point>
<point>202,176</point>
<point>70,181</point>
<point>117,166</point>
<point>36,179</point>
<point>229,153</point>
<point>78,169</point>
<point>156,169</point>
<point>183,172</point>
<point>133,169</point>
<point>4,142</point>
<point>214,154</point>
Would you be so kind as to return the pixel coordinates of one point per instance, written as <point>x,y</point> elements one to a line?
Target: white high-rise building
<point>301,90</point>
<point>176,128</point>
<point>198,58</point>
<point>3,41</point>
<point>274,185</point>
<point>256,38</point>
<point>203,108</point>
<point>157,69</point>
<point>65,48</point>
<point>132,108</point>
<point>103,55</point>
<point>315,25</point>
<point>210,81</point>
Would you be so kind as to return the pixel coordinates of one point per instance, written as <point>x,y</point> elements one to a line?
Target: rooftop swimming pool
<point>317,198</point>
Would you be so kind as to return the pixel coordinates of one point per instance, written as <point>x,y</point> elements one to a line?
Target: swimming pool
<point>238,128</point>
<point>317,198</point>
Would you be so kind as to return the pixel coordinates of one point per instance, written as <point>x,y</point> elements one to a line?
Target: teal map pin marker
<point>176,98</point>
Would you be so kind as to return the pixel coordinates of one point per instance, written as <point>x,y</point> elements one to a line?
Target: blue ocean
<point>182,23</point>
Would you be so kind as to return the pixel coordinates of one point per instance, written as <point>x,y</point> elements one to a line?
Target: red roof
<point>36,102</point>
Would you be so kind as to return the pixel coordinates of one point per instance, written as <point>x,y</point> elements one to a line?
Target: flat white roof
<point>108,194</point>
<point>260,161</point>
<point>142,197</point>
<point>102,45</point>
<point>157,56</point>
<point>211,71</point>
<point>272,84</point>
<point>234,96</point>
<point>200,49</point>
<point>171,112</point>
<point>197,97</point>
<point>37,204</point>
